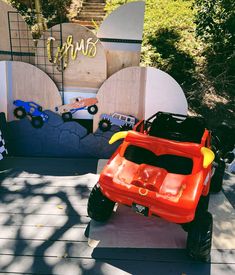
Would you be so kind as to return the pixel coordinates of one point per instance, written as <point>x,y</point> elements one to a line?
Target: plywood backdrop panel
<point>123,92</point>
<point>118,60</point>
<point>121,34</point>
<point>84,71</point>
<point>140,92</point>
<point>19,30</point>
<point>28,83</point>
<point>163,93</point>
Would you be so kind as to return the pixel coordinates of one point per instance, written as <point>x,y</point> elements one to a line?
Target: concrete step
<point>87,4</point>
<point>89,14</point>
<point>90,18</point>
<point>91,9</point>
<point>94,1</point>
<point>88,24</point>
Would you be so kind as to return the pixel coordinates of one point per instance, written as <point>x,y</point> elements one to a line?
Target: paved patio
<point>44,228</point>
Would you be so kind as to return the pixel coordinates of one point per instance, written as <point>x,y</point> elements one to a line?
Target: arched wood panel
<point>28,83</point>
<point>141,92</point>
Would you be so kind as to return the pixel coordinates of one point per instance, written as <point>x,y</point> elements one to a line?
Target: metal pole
<point>38,8</point>
<point>9,29</point>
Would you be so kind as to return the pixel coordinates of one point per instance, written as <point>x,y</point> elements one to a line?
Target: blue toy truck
<point>32,109</point>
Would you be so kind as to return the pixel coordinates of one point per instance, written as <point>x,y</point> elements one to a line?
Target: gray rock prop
<point>96,145</point>
<point>57,138</point>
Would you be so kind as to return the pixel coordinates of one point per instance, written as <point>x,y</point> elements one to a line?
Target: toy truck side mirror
<point>118,136</point>
<point>208,156</point>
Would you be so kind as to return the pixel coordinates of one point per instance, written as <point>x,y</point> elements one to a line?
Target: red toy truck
<point>163,168</point>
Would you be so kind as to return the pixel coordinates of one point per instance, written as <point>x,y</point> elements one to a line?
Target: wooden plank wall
<point>26,82</point>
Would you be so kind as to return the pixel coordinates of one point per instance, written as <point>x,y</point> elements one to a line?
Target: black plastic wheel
<point>201,209</point>
<point>67,116</point>
<point>203,205</point>
<point>99,207</point>
<point>40,108</point>
<point>125,127</point>
<point>105,125</point>
<point>37,122</point>
<point>186,226</point>
<point>20,112</point>
<point>93,109</point>
<point>200,237</point>
<point>217,178</point>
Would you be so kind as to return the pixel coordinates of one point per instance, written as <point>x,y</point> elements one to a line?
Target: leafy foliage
<point>215,21</point>
<point>26,11</point>
<point>112,5</point>
<point>53,11</point>
<point>169,41</point>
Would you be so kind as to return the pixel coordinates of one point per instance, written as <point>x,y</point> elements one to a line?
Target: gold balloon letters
<point>61,58</point>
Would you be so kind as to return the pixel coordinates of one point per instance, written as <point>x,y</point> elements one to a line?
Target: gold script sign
<point>61,58</point>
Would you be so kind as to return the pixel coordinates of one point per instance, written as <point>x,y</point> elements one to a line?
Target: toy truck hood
<point>157,179</point>
<point>144,176</point>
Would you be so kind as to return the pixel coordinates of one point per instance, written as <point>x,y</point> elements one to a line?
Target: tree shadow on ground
<point>26,206</point>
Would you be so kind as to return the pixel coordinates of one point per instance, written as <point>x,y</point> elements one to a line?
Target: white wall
<point>163,93</point>
<point>3,87</point>
<point>126,22</point>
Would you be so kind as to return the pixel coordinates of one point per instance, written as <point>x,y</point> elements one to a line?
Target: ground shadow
<point>23,203</point>
<point>48,166</point>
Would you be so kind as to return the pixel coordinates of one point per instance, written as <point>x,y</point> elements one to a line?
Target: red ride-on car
<point>163,168</point>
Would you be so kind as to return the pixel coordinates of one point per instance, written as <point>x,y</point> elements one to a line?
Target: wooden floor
<point>44,227</point>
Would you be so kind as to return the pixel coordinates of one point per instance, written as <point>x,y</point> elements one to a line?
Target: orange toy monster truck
<point>76,104</point>
<point>163,168</point>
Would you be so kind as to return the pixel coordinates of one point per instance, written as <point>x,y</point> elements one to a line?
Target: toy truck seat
<point>177,127</point>
<point>178,158</point>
